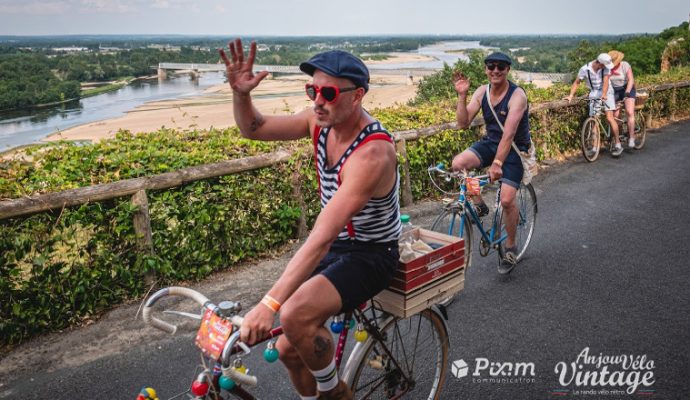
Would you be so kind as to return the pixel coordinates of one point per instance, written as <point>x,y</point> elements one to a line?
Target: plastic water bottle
<point>406,227</point>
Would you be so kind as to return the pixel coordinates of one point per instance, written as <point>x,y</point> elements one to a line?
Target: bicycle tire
<point>590,139</point>
<point>448,222</point>
<point>527,204</point>
<point>640,130</point>
<point>378,377</point>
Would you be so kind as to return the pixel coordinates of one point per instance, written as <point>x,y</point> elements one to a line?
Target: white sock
<point>315,397</point>
<point>327,378</point>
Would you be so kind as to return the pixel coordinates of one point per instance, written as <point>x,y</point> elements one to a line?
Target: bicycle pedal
<point>376,363</point>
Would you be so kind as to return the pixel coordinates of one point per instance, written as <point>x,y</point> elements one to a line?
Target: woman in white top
<point>623,84</point>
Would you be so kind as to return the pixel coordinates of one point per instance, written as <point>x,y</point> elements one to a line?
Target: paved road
<point>607,275</point>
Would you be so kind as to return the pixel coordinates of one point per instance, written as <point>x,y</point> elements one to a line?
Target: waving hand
<point>239,71</point>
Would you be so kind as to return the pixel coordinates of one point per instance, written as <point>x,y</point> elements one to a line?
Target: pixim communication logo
<point>486,371</point>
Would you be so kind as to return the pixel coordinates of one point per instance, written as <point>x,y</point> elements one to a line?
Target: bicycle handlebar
<point>236,320</point>
<point>178,291</point>
<point>440,168</point>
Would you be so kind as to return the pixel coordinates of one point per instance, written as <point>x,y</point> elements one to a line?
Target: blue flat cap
<point>498,57</point>
<point>340,64</point>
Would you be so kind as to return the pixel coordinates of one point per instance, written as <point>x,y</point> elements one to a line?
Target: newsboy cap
<point>340,64</point>
<point>498,57</point>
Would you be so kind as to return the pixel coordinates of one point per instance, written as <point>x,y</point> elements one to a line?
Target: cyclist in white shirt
<point>596,76</point>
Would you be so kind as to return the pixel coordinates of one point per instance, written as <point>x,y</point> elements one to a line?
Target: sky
<point>333,18</point>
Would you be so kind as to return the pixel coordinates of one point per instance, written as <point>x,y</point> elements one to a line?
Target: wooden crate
<point>425,269</point>
<point>405,305</point>
<point>428,279</point>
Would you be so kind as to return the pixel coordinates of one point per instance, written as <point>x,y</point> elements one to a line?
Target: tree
<point>440,86</point>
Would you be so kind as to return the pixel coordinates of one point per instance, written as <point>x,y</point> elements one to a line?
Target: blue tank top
<point>494,131</point>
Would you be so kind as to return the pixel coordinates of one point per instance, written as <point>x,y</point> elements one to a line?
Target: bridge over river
<point>196,69</point>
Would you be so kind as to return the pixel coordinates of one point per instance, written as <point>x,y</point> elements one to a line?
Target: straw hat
<point>616,57</point>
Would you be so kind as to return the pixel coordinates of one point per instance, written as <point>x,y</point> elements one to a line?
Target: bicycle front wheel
<point>416,365</point>
<point>454,222</point>
<point>590,139</point>
<point>640,130</point>
<point>526,200</point>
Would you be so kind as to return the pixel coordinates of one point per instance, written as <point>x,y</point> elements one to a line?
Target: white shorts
<point>609,103</point>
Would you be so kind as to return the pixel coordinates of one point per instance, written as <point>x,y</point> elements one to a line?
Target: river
<point>30,126</point>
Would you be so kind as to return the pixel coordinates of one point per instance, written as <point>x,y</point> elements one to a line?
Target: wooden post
<point>543,121</point>
<point>142,222</point>
<point>302,229</point>
<point>142,228</point>
<point>405,186</point>
<point>673,104</point>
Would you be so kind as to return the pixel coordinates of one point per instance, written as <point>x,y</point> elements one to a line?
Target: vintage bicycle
<point>391,357</point>
<point>595,128</point>
<point>458,215</point>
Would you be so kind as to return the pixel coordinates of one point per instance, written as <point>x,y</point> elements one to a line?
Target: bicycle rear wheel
<point>640,130</point>
<point>590,139</point>
<point>527,205</point>
<point>419,346</point>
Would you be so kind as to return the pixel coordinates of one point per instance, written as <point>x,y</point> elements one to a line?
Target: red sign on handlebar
<point>213,332</point>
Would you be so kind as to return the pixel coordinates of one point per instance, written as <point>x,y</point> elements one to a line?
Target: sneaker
<point>631,143</point>
<point>617,150</point>
<point>509,261</point>
<point>481,208</point>
<point>340,392</point>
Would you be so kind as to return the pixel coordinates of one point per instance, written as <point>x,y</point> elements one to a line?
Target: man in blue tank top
<point>495,149</point>
<point>352,250</point>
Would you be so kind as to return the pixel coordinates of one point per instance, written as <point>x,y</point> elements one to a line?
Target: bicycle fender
<point>441,312</point>
<point>348,372</point>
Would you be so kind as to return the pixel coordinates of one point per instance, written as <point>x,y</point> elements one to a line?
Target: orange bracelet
<point>271,303</point>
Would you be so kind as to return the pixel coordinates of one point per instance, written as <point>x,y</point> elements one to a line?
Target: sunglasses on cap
<point>329,93</point>
<point>493,65</point>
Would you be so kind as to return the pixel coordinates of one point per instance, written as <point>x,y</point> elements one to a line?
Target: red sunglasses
<point>329,93</point>
<point>501,66</point>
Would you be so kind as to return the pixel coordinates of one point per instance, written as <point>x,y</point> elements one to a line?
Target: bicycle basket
<point>640,99</point>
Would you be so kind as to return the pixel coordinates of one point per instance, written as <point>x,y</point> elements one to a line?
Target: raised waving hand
<point>239,71</point>
<point>461,82</point>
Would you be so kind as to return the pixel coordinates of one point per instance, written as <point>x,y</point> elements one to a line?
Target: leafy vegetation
<point>26,80</point>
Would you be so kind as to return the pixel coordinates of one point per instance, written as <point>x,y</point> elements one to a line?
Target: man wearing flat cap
<point>508,122</point>
<point>352,250</point>
<point>596,75</point>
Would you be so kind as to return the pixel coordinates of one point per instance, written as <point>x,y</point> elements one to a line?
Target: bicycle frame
<point>621,120</point>
<point>233,347</point>
<point>463,203</point>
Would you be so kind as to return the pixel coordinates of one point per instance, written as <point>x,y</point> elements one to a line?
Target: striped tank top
<point>379,220</point>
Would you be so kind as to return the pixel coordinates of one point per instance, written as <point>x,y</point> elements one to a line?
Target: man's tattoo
<point>321,346</point>
<point>256,123</point>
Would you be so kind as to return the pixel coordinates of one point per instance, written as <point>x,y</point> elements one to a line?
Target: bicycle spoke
<point>389,374</point>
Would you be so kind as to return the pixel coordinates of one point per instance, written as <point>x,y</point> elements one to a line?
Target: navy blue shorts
<point>359,270</point>
<point>486,149</point>
<point>619,93</point>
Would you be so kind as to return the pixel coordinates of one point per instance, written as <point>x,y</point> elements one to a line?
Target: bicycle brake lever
<point>184,314</point>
